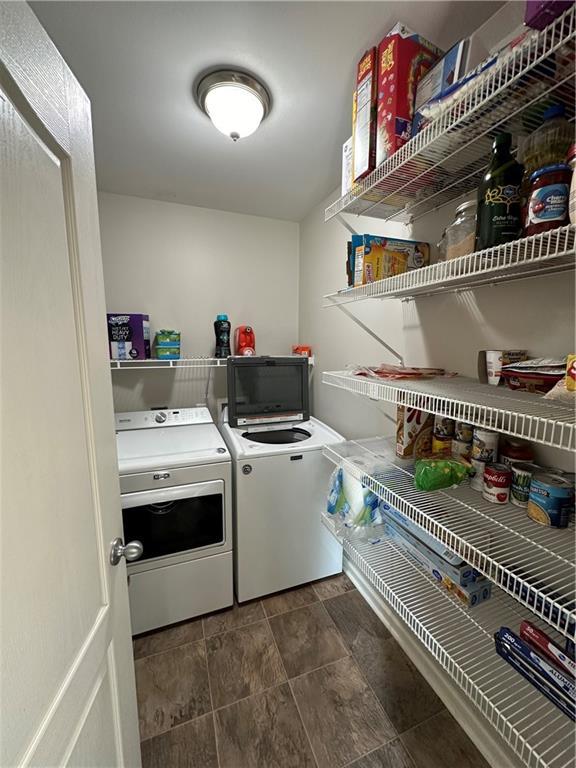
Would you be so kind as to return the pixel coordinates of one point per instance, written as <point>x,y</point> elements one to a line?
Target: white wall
<point>183,265</point>
<point>445,330</point>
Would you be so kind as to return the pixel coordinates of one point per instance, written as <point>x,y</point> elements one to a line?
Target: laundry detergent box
<point>364,117</point>
<point>403,58</point>
<point>129,336</point>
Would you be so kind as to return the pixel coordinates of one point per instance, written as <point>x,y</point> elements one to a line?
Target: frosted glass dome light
<point>236,103</point>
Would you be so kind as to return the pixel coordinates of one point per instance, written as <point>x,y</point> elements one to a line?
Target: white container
<point>477,481</point>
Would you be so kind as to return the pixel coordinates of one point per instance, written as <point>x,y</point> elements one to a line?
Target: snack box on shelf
<point>403,58</point>
<point>463,574</point>
<point>413,432</point>
<point>364,116</point>
<point>129,336</point>
<point>545,645</point>
<point>347,165</point>
<point>376,258</point>
<point>548,680</point>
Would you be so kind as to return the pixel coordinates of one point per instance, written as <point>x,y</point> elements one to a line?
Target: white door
<point>66,669</point>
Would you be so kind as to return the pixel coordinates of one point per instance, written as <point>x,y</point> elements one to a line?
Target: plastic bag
<point>434,474</point>
<point>353,506</point>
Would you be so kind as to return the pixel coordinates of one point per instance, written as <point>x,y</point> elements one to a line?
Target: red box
<point>403,57</point>
<point>364,117</point>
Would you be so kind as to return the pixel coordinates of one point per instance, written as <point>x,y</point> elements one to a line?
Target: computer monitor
<point>267,390</point>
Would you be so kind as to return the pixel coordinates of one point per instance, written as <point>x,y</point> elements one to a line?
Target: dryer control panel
<point>162,417</point>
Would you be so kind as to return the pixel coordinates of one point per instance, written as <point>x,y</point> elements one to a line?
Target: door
<point>66,668</point>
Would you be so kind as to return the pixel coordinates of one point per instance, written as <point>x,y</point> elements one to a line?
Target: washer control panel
<point>164,417</point>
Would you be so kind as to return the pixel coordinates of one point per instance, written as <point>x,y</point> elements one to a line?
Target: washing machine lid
<point>243,447</point>
<point>144,450</point>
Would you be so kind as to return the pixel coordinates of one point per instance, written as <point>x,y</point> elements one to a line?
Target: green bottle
<point>499,218</point>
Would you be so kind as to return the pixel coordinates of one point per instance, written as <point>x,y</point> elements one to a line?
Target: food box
<point>541,13</point>
<point>403,58</point>
<point>364,116</point>
<point>413,432</point>
<point>347,166</point>
<point>129,336</point>
<point>376,258</point>
<point>439,79</point>
<point>462,574</point>
<point>571,373</point>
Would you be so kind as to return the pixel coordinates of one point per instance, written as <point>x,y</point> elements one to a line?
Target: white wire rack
<point>520,414</point>
<point>448,157</point>
<point>531,256</point>
<point>461,640</point>
<point>532,563</point>
<point>184,362</point>
<point>154,364</point>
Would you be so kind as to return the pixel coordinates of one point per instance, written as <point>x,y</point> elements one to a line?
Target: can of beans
<point>443,426</point>
<point>485,445</point>
<point>477,479</point>
<point>551,500</point>
<point>460,449</point>
<point>441,446</point>
<point>463,432</point>
<point>522,474</point>
<point>497,482</point>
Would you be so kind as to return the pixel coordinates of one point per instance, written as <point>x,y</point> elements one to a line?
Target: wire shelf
<point>531,256</point>
<point>447,159</point>
<point>154,364</point>
<point>532,563</point>
<point>461,640</point>
<point>520,414</point>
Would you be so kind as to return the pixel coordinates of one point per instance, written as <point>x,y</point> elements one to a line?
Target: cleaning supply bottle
<point>222,331</point>
<point>499,218</point>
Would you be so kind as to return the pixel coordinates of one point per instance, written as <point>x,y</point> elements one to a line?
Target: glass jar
<point>460,235</point>
<point>441,246</point>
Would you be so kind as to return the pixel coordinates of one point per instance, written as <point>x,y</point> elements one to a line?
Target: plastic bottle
<point>571,160</point>
<point>550,142</point>
<point>222,331</point>
<point>499,218</point>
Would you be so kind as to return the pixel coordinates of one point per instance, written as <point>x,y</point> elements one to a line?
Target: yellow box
<point>571,373</point>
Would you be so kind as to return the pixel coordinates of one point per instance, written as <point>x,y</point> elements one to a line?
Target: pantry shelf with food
<point>447,158</point>
<point>535,256</point>
<point>520,414</point>
<point>462,641</point>
<point>532,563</point>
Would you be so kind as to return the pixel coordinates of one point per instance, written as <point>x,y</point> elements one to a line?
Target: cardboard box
<point>129,336</point>
<point>347,166</point>
<point>403,58</point>
<point>364,116</point>
<point>438,80</point>
<point>413,432</point>
<point>376,258</point>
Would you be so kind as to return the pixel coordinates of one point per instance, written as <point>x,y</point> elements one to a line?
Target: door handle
<point>131,551</point>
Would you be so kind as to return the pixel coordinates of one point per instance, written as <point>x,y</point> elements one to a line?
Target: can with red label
<point>497,482</point>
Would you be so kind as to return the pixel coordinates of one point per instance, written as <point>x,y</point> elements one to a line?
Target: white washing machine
<point>176,484</point>
<point>280,490</point>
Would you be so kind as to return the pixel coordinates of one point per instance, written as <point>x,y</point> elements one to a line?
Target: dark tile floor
<point>308,678</point>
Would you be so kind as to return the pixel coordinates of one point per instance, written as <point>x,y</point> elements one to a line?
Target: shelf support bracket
<point>369,331</point>
<point>346,224</point>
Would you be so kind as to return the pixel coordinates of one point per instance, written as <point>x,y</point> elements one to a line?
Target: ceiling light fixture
<point>235,102</point>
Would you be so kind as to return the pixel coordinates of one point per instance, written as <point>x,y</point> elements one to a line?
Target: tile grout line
<point>371,751</point>
<point>293,696</point>
<point>171,648</point>
<point>213,711</point>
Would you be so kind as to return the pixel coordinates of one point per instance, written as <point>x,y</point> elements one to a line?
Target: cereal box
<point>364,116</point>
<point>413,432</point>
<point>571,373</point>
<point>403,57</point>
<point>378,257</point>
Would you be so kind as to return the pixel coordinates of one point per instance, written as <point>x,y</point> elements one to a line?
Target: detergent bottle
<point>222,331</point>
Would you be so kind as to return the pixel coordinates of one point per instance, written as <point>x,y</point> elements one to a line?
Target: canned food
<point>477,479</point>
<point>497,482</point>
<point>460,449</point>
<point>551,500</point>
<point>441,445</point>
<point>485,445</point>
<point>521,479</point>
<point>463,432</point>
<point>443,426</point>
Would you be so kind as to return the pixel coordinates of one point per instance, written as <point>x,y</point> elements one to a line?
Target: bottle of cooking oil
<point>499,218</point>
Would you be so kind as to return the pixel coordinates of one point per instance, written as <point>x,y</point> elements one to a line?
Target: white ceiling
<point>137,62</point>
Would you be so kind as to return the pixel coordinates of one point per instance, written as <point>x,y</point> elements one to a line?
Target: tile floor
<point>308,678</point>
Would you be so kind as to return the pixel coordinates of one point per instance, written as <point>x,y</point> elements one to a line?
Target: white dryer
<point>281,483</point>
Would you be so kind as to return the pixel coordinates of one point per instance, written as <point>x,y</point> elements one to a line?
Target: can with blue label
<point>551,500</point>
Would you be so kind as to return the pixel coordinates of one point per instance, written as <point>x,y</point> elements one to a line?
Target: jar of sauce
<point>548,198</point>
<point>514,451</point>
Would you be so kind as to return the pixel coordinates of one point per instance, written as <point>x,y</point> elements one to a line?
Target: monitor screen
<point>267,390</point>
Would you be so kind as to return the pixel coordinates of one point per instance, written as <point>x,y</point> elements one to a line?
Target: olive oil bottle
<point>499,218</point>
